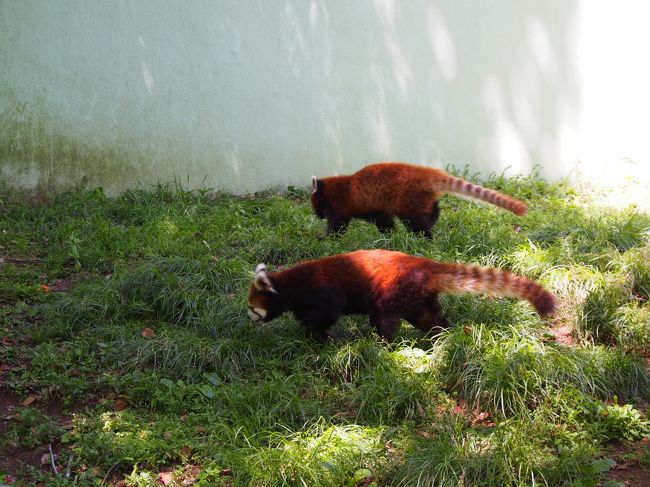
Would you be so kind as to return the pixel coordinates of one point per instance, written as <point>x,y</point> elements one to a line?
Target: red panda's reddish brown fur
<point>379,192</point>
<point>386,285</point>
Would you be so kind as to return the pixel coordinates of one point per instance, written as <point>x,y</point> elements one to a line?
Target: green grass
<point>214,398</point>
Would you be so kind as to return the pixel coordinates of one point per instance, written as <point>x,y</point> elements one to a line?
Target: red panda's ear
<point>262,281</point>
<point>315,185</point>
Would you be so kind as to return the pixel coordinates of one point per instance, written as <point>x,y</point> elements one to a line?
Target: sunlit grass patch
<point>511,373</point>
<point>637,262</point>
<point>604,294</point>
<point>347,362</point>
<point>511,453</point>
<point>631,326</point>
<point>318,455</point>
<point>132,437</point>
<point>403,385</point>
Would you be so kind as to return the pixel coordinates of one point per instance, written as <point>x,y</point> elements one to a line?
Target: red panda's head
<point>264,302</point>
<point>318,201</point>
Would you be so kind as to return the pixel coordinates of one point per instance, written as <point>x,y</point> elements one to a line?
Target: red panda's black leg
<point>385,324</point>
<point>435,213</point>
<point>319,312</point>
<point>419,223</point>
<point>335,223</point>
<point>383,221</point>
<point>429,317</point>
<point>319,335</point>
<point>422,222</point>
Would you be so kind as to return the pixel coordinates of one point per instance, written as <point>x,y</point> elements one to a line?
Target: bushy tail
<point>460,186</point>
<point>460,278</point>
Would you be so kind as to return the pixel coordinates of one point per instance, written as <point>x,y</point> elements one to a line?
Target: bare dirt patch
<point>632,463</point>
<point>14,458</point>
<point>563,334</point>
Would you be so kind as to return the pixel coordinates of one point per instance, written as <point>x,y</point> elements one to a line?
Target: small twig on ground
<point>68,469</point>
<point>17,260</point>
<point>109,471</point>
<point>56,472</point>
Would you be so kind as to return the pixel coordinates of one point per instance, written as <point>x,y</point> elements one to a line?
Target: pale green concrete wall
<point>243,94</point>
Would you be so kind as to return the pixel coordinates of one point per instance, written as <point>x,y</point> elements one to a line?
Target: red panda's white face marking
<point>314,184</point>
<point>264,301</point>
<point>256,314</point>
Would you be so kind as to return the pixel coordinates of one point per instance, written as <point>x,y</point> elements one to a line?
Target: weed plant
<point>156,317</point>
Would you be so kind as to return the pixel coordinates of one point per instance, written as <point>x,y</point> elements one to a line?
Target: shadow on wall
<point>492,86</point>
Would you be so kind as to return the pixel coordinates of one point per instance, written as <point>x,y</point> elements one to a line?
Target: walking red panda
<point>386,285</point>
<point>379,192</point>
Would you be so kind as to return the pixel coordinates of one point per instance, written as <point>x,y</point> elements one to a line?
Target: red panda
<point>386,285</point>
<point>379,192</point>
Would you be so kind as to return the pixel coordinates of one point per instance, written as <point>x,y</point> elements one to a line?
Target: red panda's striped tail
<point>460,186</point>
<point>461,278</point>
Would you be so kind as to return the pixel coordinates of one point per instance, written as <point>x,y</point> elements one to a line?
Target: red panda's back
<point>392,187</point>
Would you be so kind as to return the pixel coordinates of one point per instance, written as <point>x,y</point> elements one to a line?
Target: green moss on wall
<point>35,153</point>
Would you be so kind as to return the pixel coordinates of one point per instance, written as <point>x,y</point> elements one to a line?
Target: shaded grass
<point>265,406</point>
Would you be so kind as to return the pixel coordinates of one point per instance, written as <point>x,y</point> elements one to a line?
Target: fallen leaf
<point>421,411</point>
<point>458,409</point>
<point>45,288</point>
<point>7,341</point>
<point>120,404</point>
<point>168,435</point>
<point>479,417</point>
<point>190,474</point>
<point>30,400</point>
<point>10,479</point>
<point>200,429</point>
<point>186,451</point>
<point>45,458</point>
<point>165,477</point>
<point>423,434</point>
<point>148,333</point>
